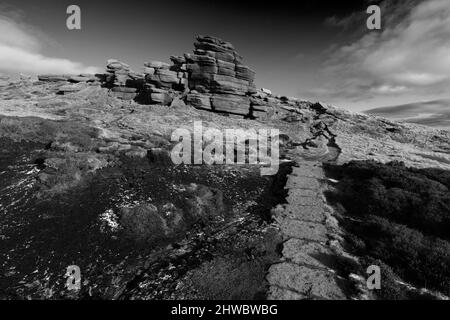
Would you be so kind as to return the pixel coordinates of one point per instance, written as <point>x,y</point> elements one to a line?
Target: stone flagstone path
<point>306,270</point>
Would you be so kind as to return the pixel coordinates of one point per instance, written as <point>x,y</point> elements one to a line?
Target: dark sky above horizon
<point>309,49</point>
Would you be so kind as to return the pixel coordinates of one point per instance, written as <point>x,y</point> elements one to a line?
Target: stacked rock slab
<point>217,78</point>
<point>162,79</point>
<point>179,66</point>
<point>124,82</point>
<point>84,77</point>
<point>262,105</point>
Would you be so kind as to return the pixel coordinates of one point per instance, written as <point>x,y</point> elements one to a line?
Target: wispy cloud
<point>411,54</point>
<point>20,51</point>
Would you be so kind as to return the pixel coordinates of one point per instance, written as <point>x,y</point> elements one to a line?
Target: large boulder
<point>53,77</point>
<point>114,65</point>
<point>143,223</point>
<point>215,67</point>
<point>207,46</point>
<point>226,68</point>
<point>227,84</point>
<point>178,60</point>
<point>199,101</point>
<point>204,53</point>
<point>201,59</point>
<point>233,104</point>
<point>161,98</point>
<point>204,204</point>
<point>124,89</point>
<point>214,40</point>
<point>225,64</point>
<point>157,81</point>
<point>149,70</point>
<point>83,78</point>
<point>167,76</point>
<point>199,72</point>
<point>226,56</point>
<point>245,73</point>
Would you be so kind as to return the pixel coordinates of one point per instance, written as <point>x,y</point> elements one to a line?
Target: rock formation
<point>161,79</point>
<point>123,81</point>
<point>219,80</point>
<point>211,78</point>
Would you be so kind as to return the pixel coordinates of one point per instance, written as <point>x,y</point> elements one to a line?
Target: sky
<point>315,50</point>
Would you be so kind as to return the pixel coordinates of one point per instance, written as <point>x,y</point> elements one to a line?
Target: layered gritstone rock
<point>164,80</point>
<point>212,78</point>
<point>124,82</point>
<point>216,68</point>
<point>53,77</point>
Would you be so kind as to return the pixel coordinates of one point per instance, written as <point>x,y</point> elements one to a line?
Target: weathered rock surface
<point>212,78</point>
<point>215,67</point>
<point>230,104</point>
<point>199,101</point>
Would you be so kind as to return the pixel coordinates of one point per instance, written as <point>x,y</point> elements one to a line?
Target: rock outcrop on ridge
<point>124,83</point>
<point>212,78</point>
<point>220,81</point>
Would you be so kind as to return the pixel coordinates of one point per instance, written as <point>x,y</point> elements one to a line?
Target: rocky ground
<point>86,179</point>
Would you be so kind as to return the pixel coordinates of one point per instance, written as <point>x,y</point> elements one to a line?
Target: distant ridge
<point>433,113</point>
